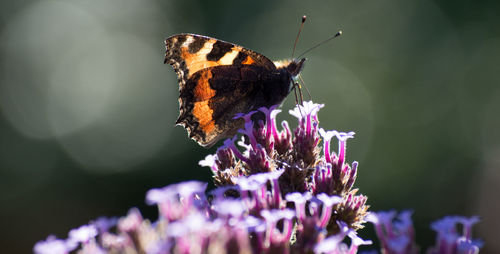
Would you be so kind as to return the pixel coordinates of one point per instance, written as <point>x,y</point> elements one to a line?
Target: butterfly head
<point>294,67</point>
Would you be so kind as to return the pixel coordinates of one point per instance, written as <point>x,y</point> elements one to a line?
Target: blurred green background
<point>87,107</point>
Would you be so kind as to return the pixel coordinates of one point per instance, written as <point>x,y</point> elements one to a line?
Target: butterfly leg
<point>296,95</point>
<point>299,100</point>
<point>304,85</point>
<point>297,89</point>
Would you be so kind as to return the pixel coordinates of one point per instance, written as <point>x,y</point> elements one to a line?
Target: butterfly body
<point>219,79</point>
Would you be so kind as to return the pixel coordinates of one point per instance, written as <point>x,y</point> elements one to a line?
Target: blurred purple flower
<point>53,246</point>
<point>175,201</point>
<point>103,224</point>
<point>396,234</point>
<point>276,194</point>
<point>83,234</point>
<point>278,239</point>
<point>334,244</point>
<point>449,240</point>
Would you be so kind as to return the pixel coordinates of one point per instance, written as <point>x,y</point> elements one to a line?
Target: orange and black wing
<point>217,79</point>
<point>189,53</point>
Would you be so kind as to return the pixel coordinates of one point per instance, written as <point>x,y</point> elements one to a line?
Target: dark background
<point>87,109</point>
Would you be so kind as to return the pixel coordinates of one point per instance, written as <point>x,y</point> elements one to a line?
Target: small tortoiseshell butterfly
<point>218,79</point>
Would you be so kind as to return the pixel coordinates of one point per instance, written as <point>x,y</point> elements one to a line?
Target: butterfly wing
<point>218,79</point>
<point>213,96</point>
<point>189,53</point>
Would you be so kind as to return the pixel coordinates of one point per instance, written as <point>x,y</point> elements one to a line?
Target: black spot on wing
<point>219,49</point>
<point>180,40</point>
<point>173,45</point>
<point>240,58</point>
<point>197,44</point>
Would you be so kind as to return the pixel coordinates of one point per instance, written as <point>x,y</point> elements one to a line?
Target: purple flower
<point>210,161</point>
<point>342,137</point>
<point>229,208</point>
<point>103,224</point>
<point>257,161</point>
<point>306,138</point>
<point>313,214</point>
<point>449,240</point>
<point>334,177</point>
<point>225,158</point>
<point>334,244</point>
<point>256,155</point>
<point>327,137</point>
<point>176,200</point>
<point>328,202</point>
<point>266,149</point>
<point>229,143</point>
<point>274,236</point>
<point>396,234</point>
<point>92,247</point>
<point>283,140</point>
<point>255,194</point>
<point>270,114</point>
<point>253,182</point>
<point>131,222</point>
<point>189,224</point>
<point>220,192</point>
<point>276,194</point>
<point>53,246</point>
<point>115,241</point>
<point>248,130</point>
<point>190,188</point>
<point>299,200</point>
<point>308,109</point>
<point>83,234</point>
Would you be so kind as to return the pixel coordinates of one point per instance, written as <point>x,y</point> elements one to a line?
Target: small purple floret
<point>396,234</point>
<point>52,246</point>
<point>334,244</point>
<point>83,234</point>
<point>210,161</point>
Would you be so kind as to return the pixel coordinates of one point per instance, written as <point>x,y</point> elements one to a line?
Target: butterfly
<point>218,80</point>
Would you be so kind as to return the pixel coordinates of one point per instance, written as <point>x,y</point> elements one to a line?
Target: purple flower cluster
<point>264,148</point>
<point>397,236</point>
<point>258,222</point>
<point>277,193</point>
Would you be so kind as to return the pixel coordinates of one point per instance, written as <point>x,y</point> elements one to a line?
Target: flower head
<point>265,149</point>
<point>276,194</point>
<point>449,240</point>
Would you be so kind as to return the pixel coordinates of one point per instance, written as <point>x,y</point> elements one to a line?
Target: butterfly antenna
<point>298,34</point>
<point>339,33</point>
